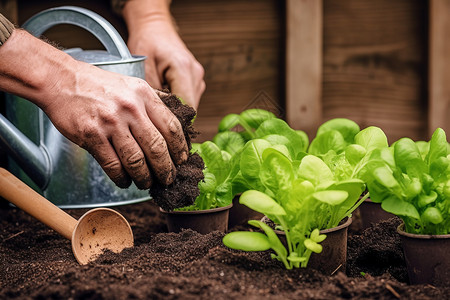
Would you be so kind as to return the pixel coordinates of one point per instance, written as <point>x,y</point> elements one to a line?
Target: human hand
<point>122,122</point>
<point>168,59</point>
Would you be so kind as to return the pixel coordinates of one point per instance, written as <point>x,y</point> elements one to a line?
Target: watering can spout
<point>33,159</point>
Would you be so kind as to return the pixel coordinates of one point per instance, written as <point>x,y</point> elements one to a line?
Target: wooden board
<point>375,64</point>
<point>304,64</point>
<point>439,68</point>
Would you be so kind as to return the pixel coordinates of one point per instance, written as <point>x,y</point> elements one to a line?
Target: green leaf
<point>276,171</point>
<point>305,139</point>
<point>214,162</point>
<point>195,148</point>
<point>224,195</point>
<point>399,207</point>
<point>280,127</point>
<point>424,199</point>
<point>432,215</point>
<point>439,168</point>
<point>208,184</point>
<point>354,153</point>
<point>254,116</point>
<point>315,170</point>
<point>384,176</point>
<point>331,197</point>
<point>246,241</point>
<point>229,141</point>
<point>423,147</point>
<point>228,122</point>
<point>371,138</point>
<point>330,140</point>
<point>262,203</point>
<point>313,246</point>
<point>251,161</point>
<point>407,155</point>
<point>239,184</point>
<point>317,237</point>
<point>281,142</point>
<point>438,146</point>
<point>346,127</point>
<point>274,240</point>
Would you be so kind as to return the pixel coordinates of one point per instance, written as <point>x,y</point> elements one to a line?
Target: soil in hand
<point>184,189</point>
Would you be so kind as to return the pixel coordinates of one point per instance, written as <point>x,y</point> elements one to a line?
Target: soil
<point>37,263</point>
<point>184,189</point>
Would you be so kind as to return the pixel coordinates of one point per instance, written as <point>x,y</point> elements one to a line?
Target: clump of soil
<point>37,263</point>
<point>184,189</point>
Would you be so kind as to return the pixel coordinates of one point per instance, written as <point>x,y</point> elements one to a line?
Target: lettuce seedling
<point>248,121</point>
<point>220,168</point>
<point>305,192</point>
<point>301,196</point>
<point>412,180</point>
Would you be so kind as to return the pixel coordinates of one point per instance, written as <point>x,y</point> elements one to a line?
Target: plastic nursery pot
<point>202,221</point>
<point>427,257</point>
<point>241,214</point>
<point>372,213</point>
<point>333,257</point>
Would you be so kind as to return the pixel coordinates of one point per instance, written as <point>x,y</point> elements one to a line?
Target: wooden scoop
<point>95,231</point>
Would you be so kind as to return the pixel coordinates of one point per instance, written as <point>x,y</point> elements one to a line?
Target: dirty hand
<point>119,119</point>
<point>168,59</point>
<point>122,123</point>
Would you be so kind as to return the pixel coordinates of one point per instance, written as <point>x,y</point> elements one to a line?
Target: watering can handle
<point>84,18</point>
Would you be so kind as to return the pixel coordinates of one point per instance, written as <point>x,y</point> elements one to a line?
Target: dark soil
<point>37,263</point>
<point>184,189</point>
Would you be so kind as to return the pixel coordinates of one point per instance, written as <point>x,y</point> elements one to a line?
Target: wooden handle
<point>24,197</point>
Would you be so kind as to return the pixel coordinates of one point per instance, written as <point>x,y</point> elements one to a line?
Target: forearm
<point>32,68</point>
<point>138,12</point>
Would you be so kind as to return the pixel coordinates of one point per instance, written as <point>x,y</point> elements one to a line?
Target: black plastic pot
<point>372,213</point>
<point>333,257</point>
<point>427,257</point>
<point>202,221</point>
<point>241,214</point>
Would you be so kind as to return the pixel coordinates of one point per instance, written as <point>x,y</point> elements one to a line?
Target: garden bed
<point>37,263</point>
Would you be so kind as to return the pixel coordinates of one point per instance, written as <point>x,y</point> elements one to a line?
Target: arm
<point>120,120</point>
<point>153,34</point>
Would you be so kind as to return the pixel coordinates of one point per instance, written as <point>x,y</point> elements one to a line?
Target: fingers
<point>107,158</point>
<point>155,148</point>
<point>170,129</point>
<point>185,78</point>
<point>132,158</point>
<point>151,74</point>
<point>161,94</point>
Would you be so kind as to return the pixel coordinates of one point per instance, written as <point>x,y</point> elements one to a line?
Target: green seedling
<point>412,180</point>
<point>308,199</point>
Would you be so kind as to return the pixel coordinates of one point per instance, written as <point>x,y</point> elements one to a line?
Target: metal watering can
<point>39,155</point>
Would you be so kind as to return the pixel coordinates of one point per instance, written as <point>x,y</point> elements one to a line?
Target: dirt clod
<point>184,189</point>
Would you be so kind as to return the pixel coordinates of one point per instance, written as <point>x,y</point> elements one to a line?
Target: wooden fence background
<point>382,63</point>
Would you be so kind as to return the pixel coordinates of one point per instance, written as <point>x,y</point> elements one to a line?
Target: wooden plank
<point>304,64</point>
<point>375,64</point>
<point>439,66</point>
